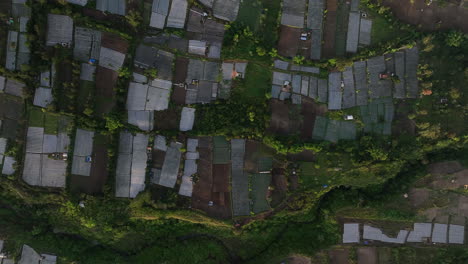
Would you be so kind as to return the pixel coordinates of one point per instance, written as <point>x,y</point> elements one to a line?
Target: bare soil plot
<point>418,197</point>
<point>94,183</point>
<point>221,176</point>
<point>158,158</point>
<point>5,6</point>
<point>330,29</point>
<point>310,110</point>
<point>430,17</point>
<point>401,123</point>
<point>114,42</point>
<point>446,167</point>
<point>178,93</point>
<point>167,119</point>
<point>11,107</point>
<point>250,158</point>
<point>203,189</point>
<point>106,80</point>
<point>64,75</point>
<point>339,256</point>
<point>279,122</point>
<point>367,255</point>
<point>297,260</point>
<point>289,39</point>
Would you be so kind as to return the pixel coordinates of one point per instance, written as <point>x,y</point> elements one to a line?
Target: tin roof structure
<point>111,59</point>
<point>8,166</point>
<point>117,7</point>
<point>78,2</point>
<point>439,233</point>
<point>293,13</point>
<point>197,47</point>
<point>131,165</point>
<point>226,9</point>
<point>83,149</point>
<point>159,12</point>
<point>43,96</point>
<point>59,30</point>
<point>240,180</point>
<point>177,14</point>
<point>421,233</point>
<point>351,233</point>
<point>187,119</point>
<point>170,168</point>
<point>87,44</point>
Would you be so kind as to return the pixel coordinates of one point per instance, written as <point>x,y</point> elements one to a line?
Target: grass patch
<point>260,183</point>
<point>327,170</point>
<point>36,117</point>
<point>249,14</point>
<point>383,31</point>
<point>257,81</point>
<point>51,123</point>
<point>341,28</point>
<point>86,87</point>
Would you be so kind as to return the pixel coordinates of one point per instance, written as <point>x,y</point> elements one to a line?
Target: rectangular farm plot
<point>170,169</point>
<point>87,44</point>
<point>82,152</point>
<point>349,92</point>
<point>376,66</point>
<point>131,166</point>
<point>353,32</point>
<point>221,150</point>
<point>334,91</point>
<point>412,58</point>
<point>260,183</point>
<point>41,169</point>
<point>240,180</point>
<point>293,13</point>
<point>400,91</point>
<point>177,14</point>
<point>360,77</point>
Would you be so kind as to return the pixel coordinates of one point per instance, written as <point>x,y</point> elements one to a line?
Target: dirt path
<point>432,17</point>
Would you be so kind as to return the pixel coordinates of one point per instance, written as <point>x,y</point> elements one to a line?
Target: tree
<point>113,123</point>
<point>133,18</point>
<point>298,59</point>
<point>454,38</point>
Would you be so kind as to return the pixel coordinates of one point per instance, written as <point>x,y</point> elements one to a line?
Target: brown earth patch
<point>432,17</point>
<point>417,197</point>
<point>251,156</point>
<point>297,260</point>
<point>105,82</point>
<point>306,155</point>
<point>329,32</point>
<point>203,189</point>
<point>94,183</point>
<point>339,256</point>
<point>289,40</point>
<point>310,110</point>
<point>402,125</point>
<point>114,42</point>
<point>158,158</point>
<point>367,255</point>
<point>280,185</point>
<point>279,122</point>
<point>446,167</point>
<point>181,67</point>
<point>168,119</point>
<point>221,176</point>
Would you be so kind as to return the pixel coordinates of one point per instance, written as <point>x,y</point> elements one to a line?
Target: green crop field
<point>260,183</point>
<point>249,14</point>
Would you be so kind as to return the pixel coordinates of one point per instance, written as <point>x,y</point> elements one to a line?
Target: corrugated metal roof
<point>439,233</point>
<point>353,32</point>
<point>160,143</point>
<point>158,99</point>
<point>53,172</point>
<point>34,139</point>
<point>351,233</point>
<point>2,83</point>
<point>171,165</point>
<point>187,119</point>
<point>186,187</point>
<point>23,24</point>
<point>226,9</point>
<point>112,6</point>
<point>137,94</point>
<point>31,169</point>
<point>240,180</point>
<point>365,30</point>
<point>87,72</point>
<point>83,142</point>
<point>157,20</point>
<point>87,44</point>
<point>49,144</point>
<point>9,166</point>
<point>59,29</point>
<point>197,47</point>
<point>78,2</point>
<point>111,59</point>
<point>177,14</point>
<point>142,119</point>
<point>43,96</point>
